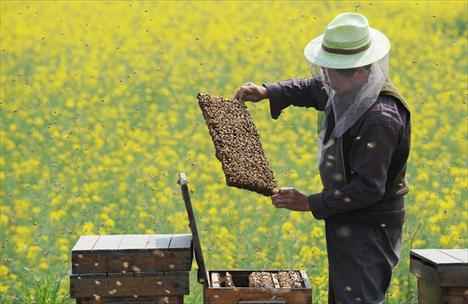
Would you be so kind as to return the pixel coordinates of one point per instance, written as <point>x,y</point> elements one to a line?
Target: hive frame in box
<point>242,294</point>
<point>232,130</point>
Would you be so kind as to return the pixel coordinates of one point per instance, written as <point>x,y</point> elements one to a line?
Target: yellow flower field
<point>98,114</point>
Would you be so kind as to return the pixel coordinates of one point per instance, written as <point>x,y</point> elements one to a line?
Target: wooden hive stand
<point>442,275</point>
<point>144,269</point>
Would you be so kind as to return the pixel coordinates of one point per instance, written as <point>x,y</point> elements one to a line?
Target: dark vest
<point>333,171</point>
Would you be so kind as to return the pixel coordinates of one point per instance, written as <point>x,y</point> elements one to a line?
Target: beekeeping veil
<point>348,43</point>
<point>349,106</point>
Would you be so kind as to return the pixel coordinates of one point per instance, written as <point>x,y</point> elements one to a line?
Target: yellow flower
<point>56,215</point>
<point>3,288</point>
<point>43,264</point>
<point>32,252</point>
<point>22,208</point>
<point>4,220</point>
<point>63,245</point>
<point>319,280</point>
<point>109,223</point>
<point>317,232</point>
<point>87,229</point>
<point>3,271</point>
<point>287,229</point>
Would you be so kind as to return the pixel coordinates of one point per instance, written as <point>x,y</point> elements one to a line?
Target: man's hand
<point>251,92</point>
<point>291,199</point>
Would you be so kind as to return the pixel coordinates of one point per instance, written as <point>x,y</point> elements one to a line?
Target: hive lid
<point>202,273</point>
<point>441,256</point>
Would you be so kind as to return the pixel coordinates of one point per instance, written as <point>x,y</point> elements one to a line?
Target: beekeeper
<point>364,143</point>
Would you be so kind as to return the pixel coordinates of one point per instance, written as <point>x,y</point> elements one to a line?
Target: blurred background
<point>98,114</point>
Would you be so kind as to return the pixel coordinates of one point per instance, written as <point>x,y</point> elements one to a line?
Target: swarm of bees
<point>237,144</point>
<point>282,279</point>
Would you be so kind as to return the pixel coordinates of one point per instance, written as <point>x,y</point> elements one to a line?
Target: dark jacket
<point>375,152</point>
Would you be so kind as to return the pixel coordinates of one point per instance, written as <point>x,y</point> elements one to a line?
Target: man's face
<point>342,83</point>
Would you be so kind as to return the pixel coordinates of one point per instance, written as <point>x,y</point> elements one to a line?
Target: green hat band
<point>347,51</point>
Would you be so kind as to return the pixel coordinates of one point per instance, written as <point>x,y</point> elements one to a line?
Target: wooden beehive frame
<point>237,144</point>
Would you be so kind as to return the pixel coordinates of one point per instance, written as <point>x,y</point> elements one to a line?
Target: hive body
<point>258,286</point>
<point>442,275</point>
<point>131,269</point>
<point>237,144</point>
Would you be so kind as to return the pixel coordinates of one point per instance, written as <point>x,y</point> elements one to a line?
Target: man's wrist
<point>263,91</point>
<point>317,206</point>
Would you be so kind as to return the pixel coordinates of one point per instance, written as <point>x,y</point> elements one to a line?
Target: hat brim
<point>380,46</point>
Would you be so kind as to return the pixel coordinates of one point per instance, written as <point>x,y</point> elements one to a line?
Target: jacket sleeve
<point>297,92</point>
<point>371,154</point>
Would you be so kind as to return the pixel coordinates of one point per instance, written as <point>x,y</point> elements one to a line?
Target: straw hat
<point>348,42</point>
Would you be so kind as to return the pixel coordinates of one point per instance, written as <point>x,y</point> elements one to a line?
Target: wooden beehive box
<point>240,292</point>
<point>442,275</point>
<point>131,268</point>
